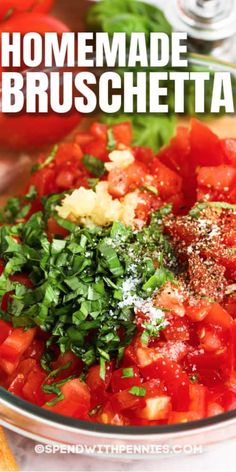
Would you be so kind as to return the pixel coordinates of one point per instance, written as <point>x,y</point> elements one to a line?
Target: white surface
<point>221,457</point>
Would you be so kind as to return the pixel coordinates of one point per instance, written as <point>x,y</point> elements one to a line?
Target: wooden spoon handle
<point>7,460</point>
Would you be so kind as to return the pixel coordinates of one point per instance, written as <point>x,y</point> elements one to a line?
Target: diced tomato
<point>32,388</point>
<point>5,330</point>
<point>174,378</point>
<point>108,416</point>
<point>16,380</point>
<point>183,417</point>
<point>122,181</point>
<point>22,279</point>
<point>124,401</point>
<point>214,409</point>
<point>144,155</point>
<point>54,229</point>
<point>218,316</point>
<point>206,148</point>
<point>68,152</point>
<point>13,347</point>
<point>96,148</point>
<point>76,401</point>
<point>177,328</point>
<point>198,399</point>
<point>198,311</point>
<point>120,381</point>
<point>97,385</point>
<point>44,181</point>
<point>171,298</point>
<point>210,339</point>
<point>35,349</point>
<point>166,180</point>
<point>99,130</point>
<point>220,178</point>
<point>123,133</point>
<point>229,149</point>
<point>157,408</point>
<point>73,365</point>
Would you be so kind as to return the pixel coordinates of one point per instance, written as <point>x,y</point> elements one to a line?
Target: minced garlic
<point>120,159</point>
<point>97,207</point>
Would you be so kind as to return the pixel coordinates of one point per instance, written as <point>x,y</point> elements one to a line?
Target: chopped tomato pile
<point>182,369</point>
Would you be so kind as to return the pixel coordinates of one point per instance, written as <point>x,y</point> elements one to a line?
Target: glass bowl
<point>122,441</point>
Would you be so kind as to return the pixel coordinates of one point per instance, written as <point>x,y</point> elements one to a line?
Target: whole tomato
<point>28,131</point>
<point>25,131</point>
<point>9,8</point>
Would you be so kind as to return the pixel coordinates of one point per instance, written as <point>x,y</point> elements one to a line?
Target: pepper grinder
<point>210,25</point>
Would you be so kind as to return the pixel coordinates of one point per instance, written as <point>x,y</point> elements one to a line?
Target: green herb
<point>94,165</point>
<point>57,371</point>
<point>49,159</point>
<point>76,293</point>
<point>55,389</point>
<point>150,188</point>
<point>138,391</point>
<point>195,212</point>
<point>56,400</point>
<point>92,183</point>
<point>111,144</point>
<point>126,16</point>
<point>17,208</point>
<point>127,373</point>
<point>148,130</point>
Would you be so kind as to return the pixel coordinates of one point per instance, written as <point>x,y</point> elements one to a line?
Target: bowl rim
<point>35,412</point>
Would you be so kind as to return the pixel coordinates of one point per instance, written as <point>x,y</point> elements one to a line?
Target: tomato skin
<point>166,180</point>
<point>219,178</point>
<point>75,365</point>
<point>174,378</point>
<point>28,131</point>
<point>5,330</point>
<point>54,229</point>
<point>206,148</point>
<point>76,400</point>
<point>98,386</point>
<point>124,401</point>
<point>198,311</point>
<point>122,133</point>
<point>118,183</point>
<point>229,149</point>
<point>97,148</point>
<point>32,387</point>
<point>144,155</point>
<point>13,347</point>
<point>218,316</point>
<point>122,181</point>
<point>27,22</point>
<point>18,378</point>
<point>119,382</point>
<point>198,399</point>
<point>183,417</point>
<point>14,7</point>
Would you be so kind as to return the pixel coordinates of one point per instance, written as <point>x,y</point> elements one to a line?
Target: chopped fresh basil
<point>94,165</point>
<point>138,391</point>
<point>48,159</point>
<point>127,373</point>
<point>111,143</point>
